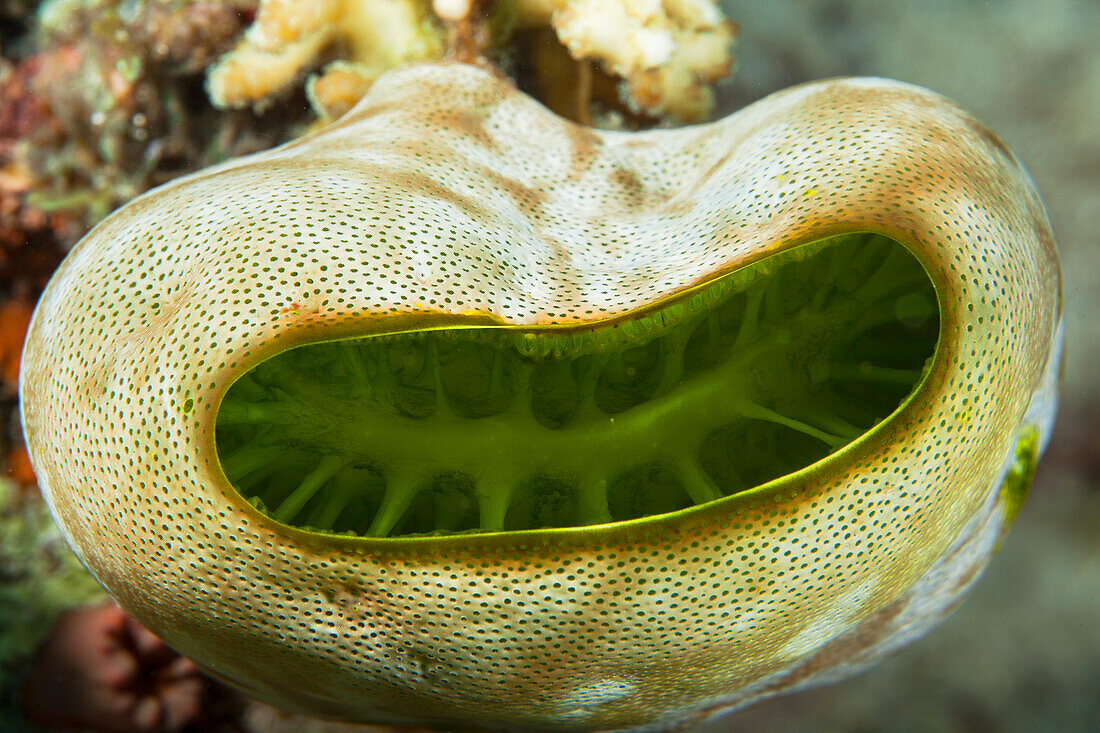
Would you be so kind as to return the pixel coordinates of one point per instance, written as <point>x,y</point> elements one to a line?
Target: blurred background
<point>102,100</point>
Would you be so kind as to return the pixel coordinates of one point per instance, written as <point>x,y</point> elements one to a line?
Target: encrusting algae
<point>412,420</point>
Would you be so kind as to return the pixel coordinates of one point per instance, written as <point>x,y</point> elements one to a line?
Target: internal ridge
<point>754,376</point>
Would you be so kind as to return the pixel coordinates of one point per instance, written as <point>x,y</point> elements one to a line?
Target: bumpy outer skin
<point>447,197</point>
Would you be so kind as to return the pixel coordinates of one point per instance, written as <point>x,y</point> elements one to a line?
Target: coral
<point>114,77</point>
<point>338,89</point>
<point>25,119</point>
<point>481,311</point>
<point>289,35</point>
<point>666,54</point>
<point>108,102</point>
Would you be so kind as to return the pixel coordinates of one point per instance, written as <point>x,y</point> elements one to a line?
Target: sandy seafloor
<point>1023,652</point>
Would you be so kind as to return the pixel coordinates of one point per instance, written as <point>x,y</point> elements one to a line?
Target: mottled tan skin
<point>642,624</point>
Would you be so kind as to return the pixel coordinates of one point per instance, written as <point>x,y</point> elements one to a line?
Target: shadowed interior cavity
<point>751,377</point>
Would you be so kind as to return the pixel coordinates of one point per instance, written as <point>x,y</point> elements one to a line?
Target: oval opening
<point>753,376</point>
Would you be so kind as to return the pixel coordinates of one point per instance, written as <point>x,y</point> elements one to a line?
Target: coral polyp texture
<point>456,413</point>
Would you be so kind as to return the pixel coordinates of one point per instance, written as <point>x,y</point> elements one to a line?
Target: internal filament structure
<point>746,379</point>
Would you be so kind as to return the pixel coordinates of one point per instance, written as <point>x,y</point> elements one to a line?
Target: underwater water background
<point>1023,652</point>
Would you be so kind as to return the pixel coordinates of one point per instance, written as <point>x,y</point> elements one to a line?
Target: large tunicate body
<point>446,198</point>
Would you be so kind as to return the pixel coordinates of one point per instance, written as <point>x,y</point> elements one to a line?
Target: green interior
<point>750,377</point>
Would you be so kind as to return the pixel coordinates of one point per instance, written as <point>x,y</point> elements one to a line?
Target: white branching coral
<point>667,53</point>
<point>289,35</point>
